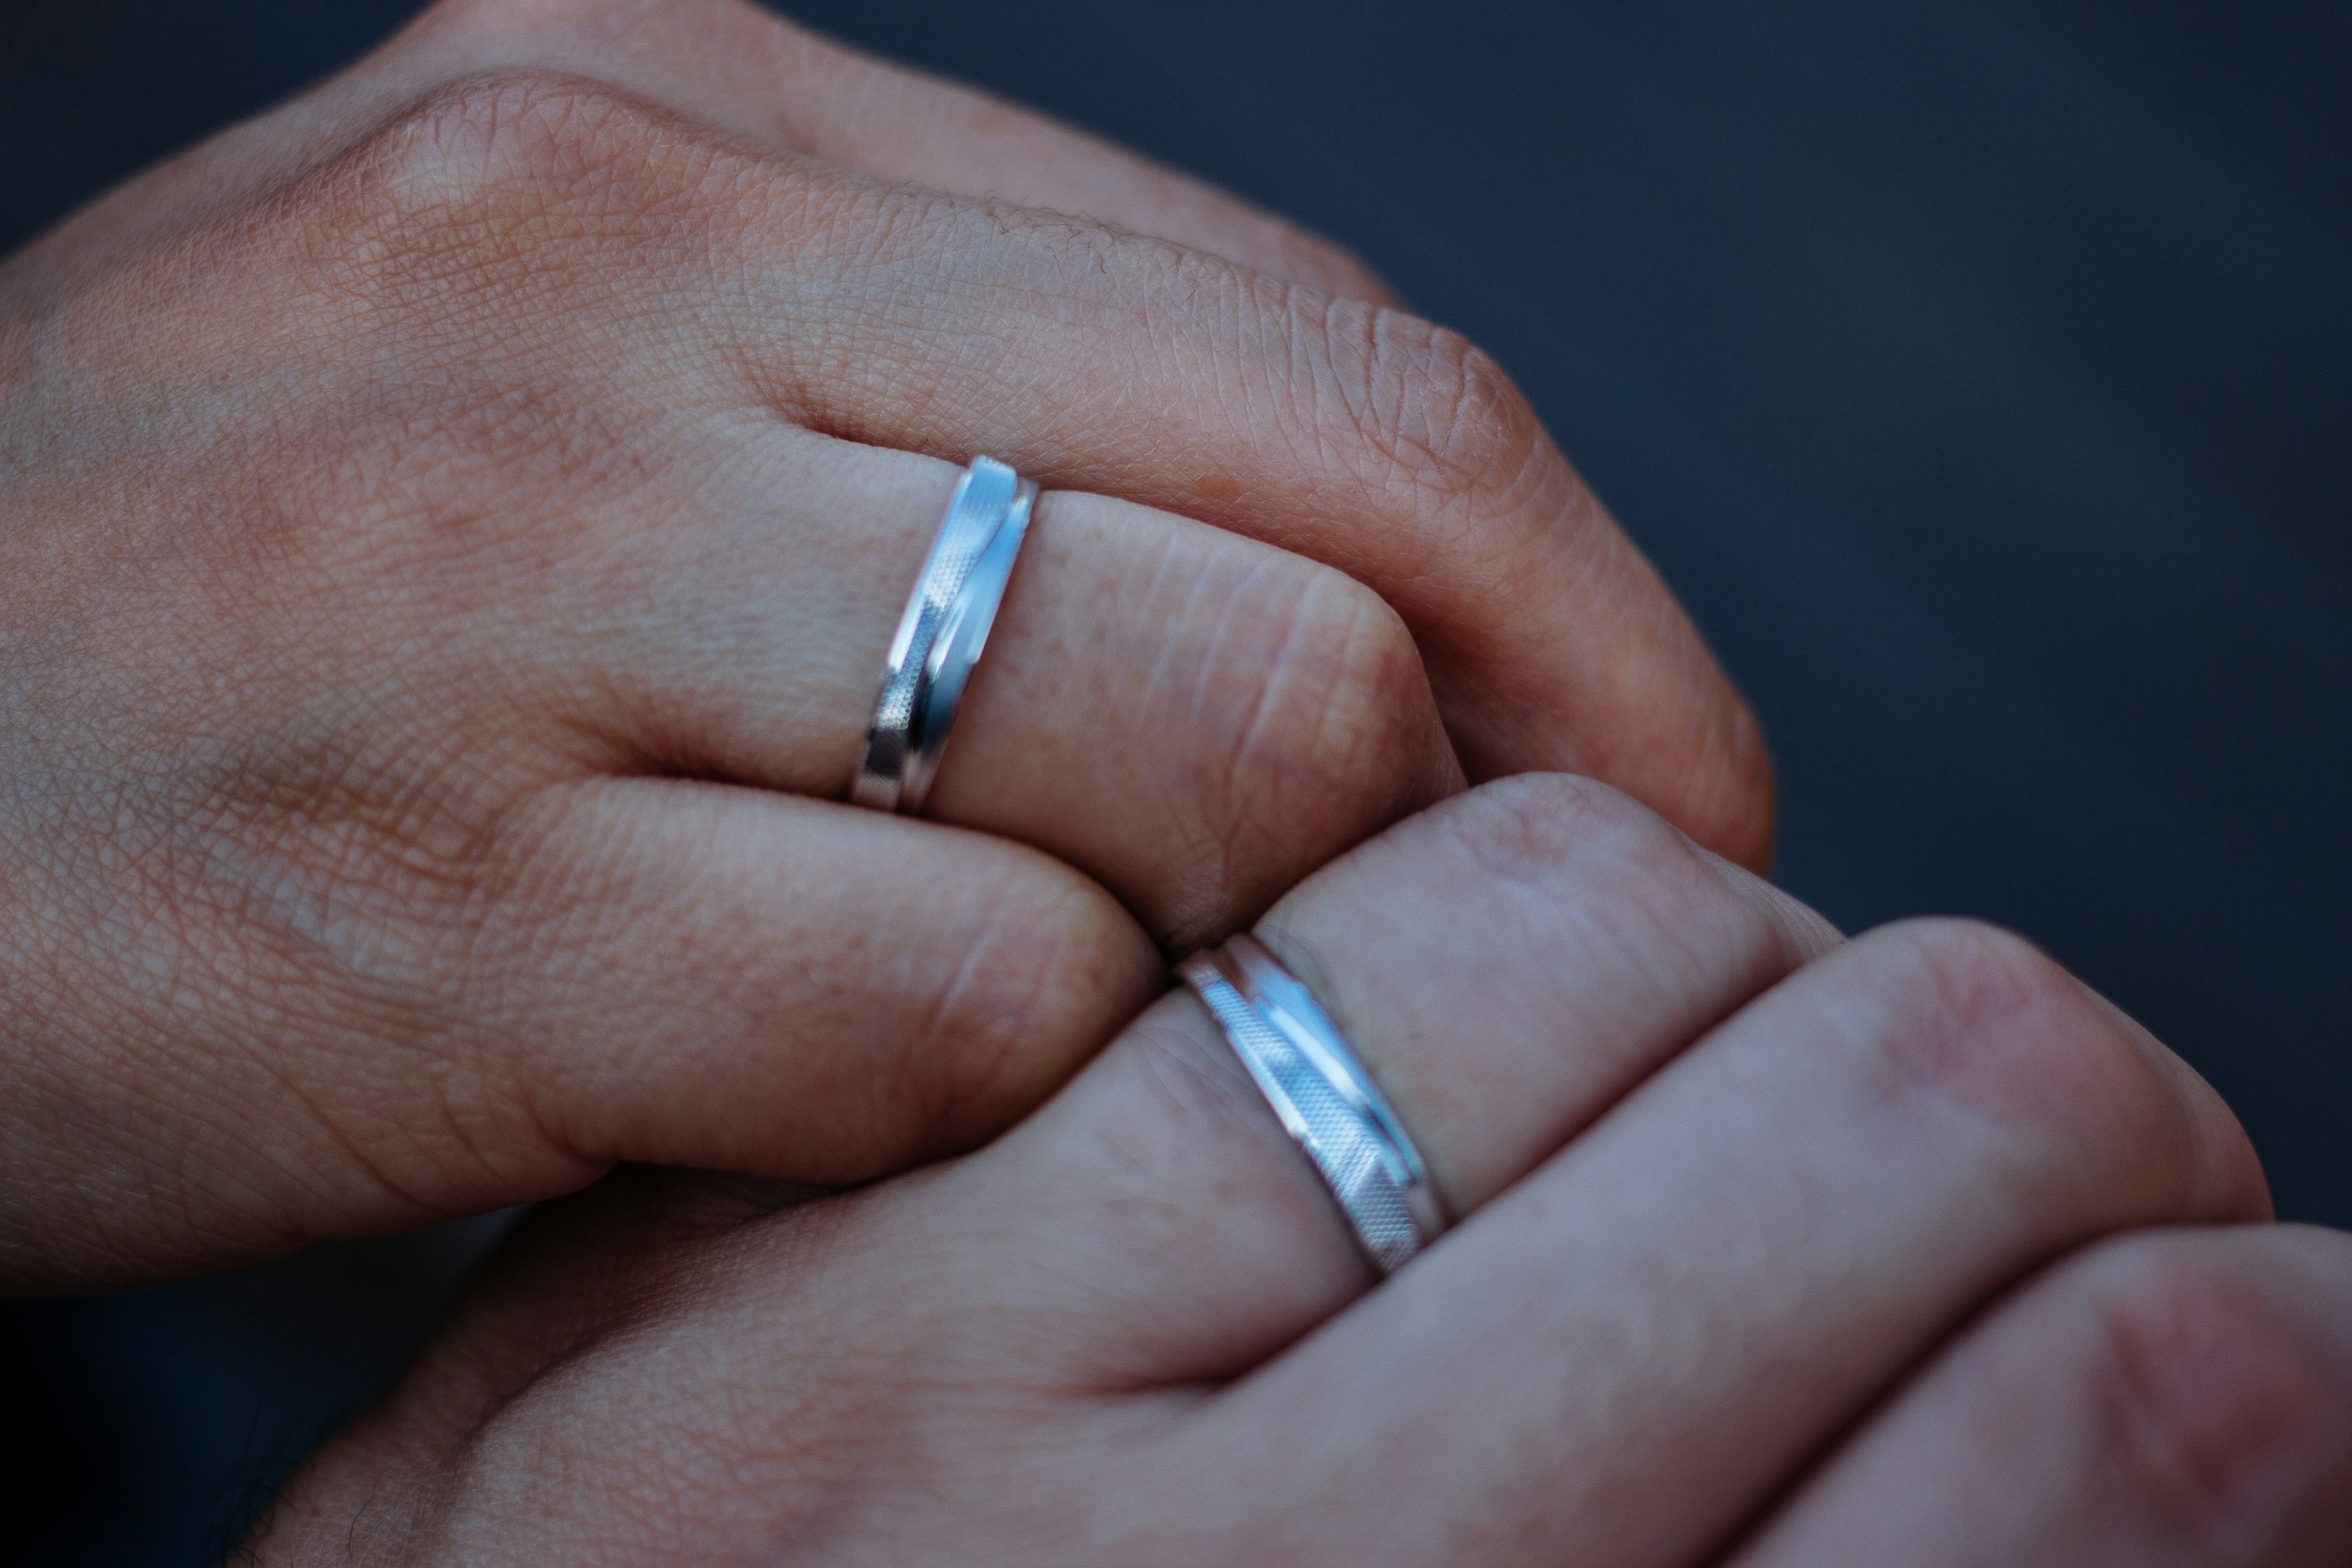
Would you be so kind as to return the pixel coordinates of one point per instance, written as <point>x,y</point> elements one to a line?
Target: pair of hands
<point>455,527</point>
<point>455,523</point>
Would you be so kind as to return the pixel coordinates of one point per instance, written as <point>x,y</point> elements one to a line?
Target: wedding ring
<point>942,634</point>
<point>1325,1099</point>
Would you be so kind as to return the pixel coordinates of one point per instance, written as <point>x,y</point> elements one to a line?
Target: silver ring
<point>942,634</point>
<point>1326,1103</point>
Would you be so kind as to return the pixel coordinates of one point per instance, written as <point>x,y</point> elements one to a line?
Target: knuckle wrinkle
<point>1431,406</point>
<point>2213,1415</point>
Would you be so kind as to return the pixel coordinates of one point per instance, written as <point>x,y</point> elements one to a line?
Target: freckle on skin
<point>1219,487</point>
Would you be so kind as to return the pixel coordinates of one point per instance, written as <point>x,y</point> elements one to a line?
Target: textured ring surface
<point>942,634</point>
<point>1325,1099</point>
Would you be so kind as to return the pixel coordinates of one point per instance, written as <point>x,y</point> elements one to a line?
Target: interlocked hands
<point>454,526</point>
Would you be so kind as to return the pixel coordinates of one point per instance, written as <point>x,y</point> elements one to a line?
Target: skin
<point>453,525</point>
<point>1773,1248</point>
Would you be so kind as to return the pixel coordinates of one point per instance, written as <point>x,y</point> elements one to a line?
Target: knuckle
<point>496,137</point>
<point>533,173</point>
<point>1343,718</point>
<point>1972,971</point>
<point>1598,866</point>
<point>1531,827</point>
<point>2210,1409</point>
<point>1978,1016</point>
<point>451,239</point>
<point>1437,414</point>
<point>1053,965</point>
<point>1959,1015</point>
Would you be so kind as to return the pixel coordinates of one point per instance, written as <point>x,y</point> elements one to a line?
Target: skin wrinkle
<point>1190,1094</point>
<point>1468,433</point>
<point>2075,1084</point>
<point>1985,983</point>
<point>319,1015</point>
<point>1375,715</point>
<point>532,874</point>
<point>2197,1449</point>
<point>976,1064</point>
<point>1249,741</point>
<point>1203,714</point>
<point>1236,623</point>
<point>350,892</point>
<point>1222,640</point>
<point>497,1358</point>
<point>595,1105</point>
<point>1204,1096</point>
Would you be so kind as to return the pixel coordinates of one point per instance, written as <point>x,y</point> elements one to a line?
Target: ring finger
<point>1190,717</point>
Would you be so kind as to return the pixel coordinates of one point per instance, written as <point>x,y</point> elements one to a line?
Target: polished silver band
<point>1326,1103</point>
<point>942,634</point>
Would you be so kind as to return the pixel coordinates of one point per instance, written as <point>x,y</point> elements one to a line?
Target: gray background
<point>1979,373</point>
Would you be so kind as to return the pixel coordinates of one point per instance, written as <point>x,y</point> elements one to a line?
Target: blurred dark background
<point>1980,373</point>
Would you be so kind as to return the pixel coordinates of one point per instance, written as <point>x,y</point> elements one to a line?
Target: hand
<point>453,525</point>
<point>1732,1195</point>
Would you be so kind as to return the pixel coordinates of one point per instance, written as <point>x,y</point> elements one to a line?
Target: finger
<point>1661,1324</point>
<point>614,970</point>
<point>1193,718</point>
<point>687,974</point>
<point>1507,965</point>
<point>2171,1401</point>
